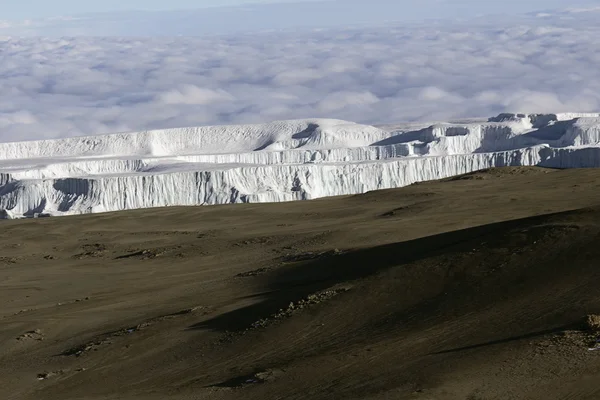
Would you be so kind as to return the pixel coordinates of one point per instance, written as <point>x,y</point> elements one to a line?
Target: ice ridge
<point>279,161</point>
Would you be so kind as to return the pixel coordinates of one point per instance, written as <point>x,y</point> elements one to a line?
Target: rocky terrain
<point>481,286</point>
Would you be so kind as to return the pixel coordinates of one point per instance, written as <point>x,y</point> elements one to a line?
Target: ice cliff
<point>280,161</point>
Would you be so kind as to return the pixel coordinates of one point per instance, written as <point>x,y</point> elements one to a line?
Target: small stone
<point>593,322</point>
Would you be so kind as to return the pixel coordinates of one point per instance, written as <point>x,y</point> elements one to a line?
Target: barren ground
<point>467,288</point>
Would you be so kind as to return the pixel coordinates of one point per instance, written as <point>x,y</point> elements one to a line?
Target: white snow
<point>280,161</point>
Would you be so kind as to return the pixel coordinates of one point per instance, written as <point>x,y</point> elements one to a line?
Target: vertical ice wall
<point>293,161</point>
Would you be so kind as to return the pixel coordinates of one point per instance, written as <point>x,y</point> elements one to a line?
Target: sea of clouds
<point>56,87</point>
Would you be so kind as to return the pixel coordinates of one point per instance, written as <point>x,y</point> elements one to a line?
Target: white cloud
<point>342,100</point>
<point>584,9</point>
<point>432,93</point>
<point>296,76</point>
<point>193,95</point>
<point>70,86</point>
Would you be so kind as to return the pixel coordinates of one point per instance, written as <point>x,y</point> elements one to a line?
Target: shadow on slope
<point>541,134</point>
<point>296,282</point>
<point>405,137</point>
<point>530,335</point>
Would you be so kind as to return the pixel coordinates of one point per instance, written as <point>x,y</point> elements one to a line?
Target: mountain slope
<point>471,287</point>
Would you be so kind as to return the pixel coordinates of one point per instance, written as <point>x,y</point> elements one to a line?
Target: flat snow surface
<point>280,161</point>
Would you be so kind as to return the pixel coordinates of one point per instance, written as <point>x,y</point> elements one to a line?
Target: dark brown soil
<point>478,287</point>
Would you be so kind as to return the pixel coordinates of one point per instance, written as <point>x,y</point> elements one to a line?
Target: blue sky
<point>23,9</point>
<point>32,9</point>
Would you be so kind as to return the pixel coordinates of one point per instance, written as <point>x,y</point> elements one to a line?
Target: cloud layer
<point>64,87</point>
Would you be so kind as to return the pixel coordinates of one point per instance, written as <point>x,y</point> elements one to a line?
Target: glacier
<point>275,162</point>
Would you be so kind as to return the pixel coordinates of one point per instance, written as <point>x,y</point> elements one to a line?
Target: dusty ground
<point>469,288</point>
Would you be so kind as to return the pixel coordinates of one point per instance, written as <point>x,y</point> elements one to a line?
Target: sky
<point>33,9</point>
<point>141,18</point>
<point>26,9</point>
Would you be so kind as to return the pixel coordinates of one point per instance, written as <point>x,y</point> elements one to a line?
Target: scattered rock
<point>32,335</point>
<point>23,310</point>
<point>148,254</point>
<point>187,311</point>
<point>8,260</point>
<point>393,212</point>
<point>580,338</point>
<point>80,300</point>
<point>208,234</point>
<point>293,308</point>
<point>48,375</point>
<point>91,251</point>
<point>41,215</point>
<point>255,272</point>
<point>107,339</point>
<point>79,350</point>
<point>268,375</point>
<point>44,375</point>
<point>592,322</point>
<point>257,240</point>
<point>311,255</point>
<point>252,379</point>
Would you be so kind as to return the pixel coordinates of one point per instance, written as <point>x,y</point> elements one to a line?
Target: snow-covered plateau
<point>279,161</point>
